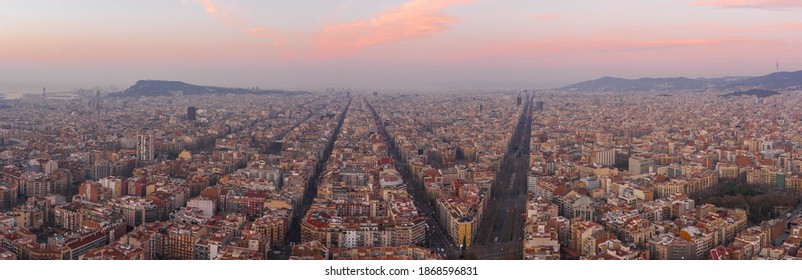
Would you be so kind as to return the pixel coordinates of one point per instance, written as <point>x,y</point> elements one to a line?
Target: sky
<point>389,44</point>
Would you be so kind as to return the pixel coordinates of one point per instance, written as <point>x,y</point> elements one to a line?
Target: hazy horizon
<point>390,45</point>
<point>467,86</point>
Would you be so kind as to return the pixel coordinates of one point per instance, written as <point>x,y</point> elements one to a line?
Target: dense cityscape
<point>400,139</point>
<point>353,175</point>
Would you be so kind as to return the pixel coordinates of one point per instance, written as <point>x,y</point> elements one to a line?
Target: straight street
<point>294,234</point>
<point>500,234</point>
<point>436,238</point>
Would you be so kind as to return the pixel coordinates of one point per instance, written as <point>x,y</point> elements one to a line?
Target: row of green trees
<point>759,206</point>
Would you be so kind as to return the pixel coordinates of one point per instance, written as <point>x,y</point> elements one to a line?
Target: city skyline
<point>597,174</point>
<point>400,138</point>
<point>403,45</point>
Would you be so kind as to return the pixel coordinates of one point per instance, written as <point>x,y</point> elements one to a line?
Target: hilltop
<point>774,81</point>
<point>171,88</point>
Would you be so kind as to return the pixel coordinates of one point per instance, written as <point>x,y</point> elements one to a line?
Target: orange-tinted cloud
<point>757,4</point>
<point>414,19</point>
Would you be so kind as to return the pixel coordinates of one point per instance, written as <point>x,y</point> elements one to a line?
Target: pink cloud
<point>665,54</point>
<point>214,10</point>
<point>563,50</point>
<point>757,4</point>
<point>414,19</point>
<point>666,44</point>
<point>554,47</point>
<point>747,28</point>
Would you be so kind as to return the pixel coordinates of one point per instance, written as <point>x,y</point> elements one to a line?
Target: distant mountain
<point>779,80</point>
<point>170,88</point>
<point>760,93</point>
<point>642,84</point>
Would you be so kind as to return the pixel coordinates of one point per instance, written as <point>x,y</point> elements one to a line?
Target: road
<point>436,238</point>
<point>265,147</point>
<point>500,234</point>
<point>294,233</point>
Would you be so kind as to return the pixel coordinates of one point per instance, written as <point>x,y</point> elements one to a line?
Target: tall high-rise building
<point>191,113</point>
<point>97,99</point>
<point>145,150</point>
